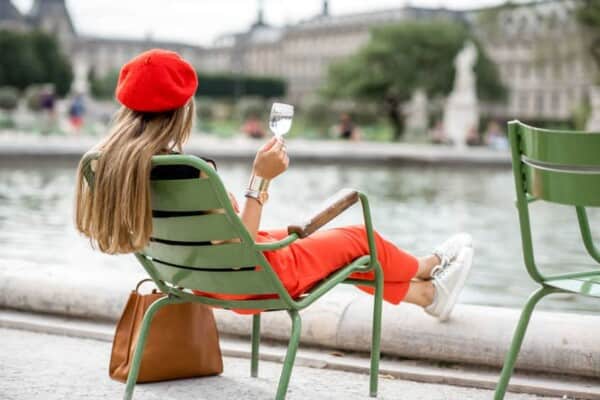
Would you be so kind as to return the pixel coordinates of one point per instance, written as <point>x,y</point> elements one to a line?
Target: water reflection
<point>415,207</point>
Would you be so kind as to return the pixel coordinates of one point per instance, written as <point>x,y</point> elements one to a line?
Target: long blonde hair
<point>117,215</point>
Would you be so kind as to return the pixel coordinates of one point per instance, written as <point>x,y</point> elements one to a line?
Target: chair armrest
<point>337,204</point>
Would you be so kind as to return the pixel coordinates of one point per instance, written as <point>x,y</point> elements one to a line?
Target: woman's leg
<point>307,261</point>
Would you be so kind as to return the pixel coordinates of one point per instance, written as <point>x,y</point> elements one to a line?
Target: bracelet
<point>258,184</point>
<point>257,189</point>
<point>260,197</point>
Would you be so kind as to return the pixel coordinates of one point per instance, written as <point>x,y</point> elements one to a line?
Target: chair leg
<point>139,348</point>
<point>376,333</point>
<point>255,345</point>
<point>290,356</point>
<point>515,347</point>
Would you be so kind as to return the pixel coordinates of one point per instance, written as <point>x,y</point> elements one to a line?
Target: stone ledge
<point>556,342</point>
<point>15,147</point>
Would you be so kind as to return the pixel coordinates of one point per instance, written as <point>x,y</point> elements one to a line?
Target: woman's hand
<point>271,159</point>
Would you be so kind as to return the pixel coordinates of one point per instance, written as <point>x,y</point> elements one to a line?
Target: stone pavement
<point>42,366</point>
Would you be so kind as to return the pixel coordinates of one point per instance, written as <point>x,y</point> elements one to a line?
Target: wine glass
<point>280,120</point>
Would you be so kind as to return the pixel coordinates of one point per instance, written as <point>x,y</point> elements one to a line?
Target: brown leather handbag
<point>182,341</point>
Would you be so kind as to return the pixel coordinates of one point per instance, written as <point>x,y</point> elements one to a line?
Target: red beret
<point>156,80</point>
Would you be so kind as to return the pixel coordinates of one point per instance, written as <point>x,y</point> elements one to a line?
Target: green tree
<point>56,66</point>
<point>103,87</point>
<point>401,58</point>
<point>319,114</point>
<point>35,57</point>
<point>9,98</point>
<point>588,14</point>
<point>23,67</point>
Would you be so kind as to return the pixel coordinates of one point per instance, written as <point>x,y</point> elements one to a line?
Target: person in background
<point>495,137</point>
<point>76,112</point>
<point>48,104</point>
<point>347,129</point>
<point>438,135</point>
<point>473,138</point>
<point>253,127</point>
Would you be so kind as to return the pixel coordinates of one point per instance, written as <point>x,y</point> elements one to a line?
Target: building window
<point>509,70</point>
<point>523,103</point>
<point>573,68</point>
<point>523,23</point>
<point>557,71</point>
<point>555,102</point>
<point>570,96</point>
<point>539,103</point>
<point>525,71</point>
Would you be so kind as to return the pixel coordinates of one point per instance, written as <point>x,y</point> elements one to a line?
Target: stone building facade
<point>302,53</point>
<point>543,57</point>
<point>539,48</point>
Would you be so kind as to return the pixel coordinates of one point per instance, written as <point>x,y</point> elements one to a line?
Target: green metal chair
<point>559,167</point>
<point>181,257</point>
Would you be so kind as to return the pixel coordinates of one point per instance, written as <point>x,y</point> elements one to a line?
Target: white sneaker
<point>448,283</point>
<point>448,250</point>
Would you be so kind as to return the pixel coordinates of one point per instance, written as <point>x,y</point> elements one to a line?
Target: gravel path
<point>40,366</point>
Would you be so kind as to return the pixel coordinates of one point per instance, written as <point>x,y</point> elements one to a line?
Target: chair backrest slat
<point>209,256</point>
<point>237,282</point>
<point>563,186</point>
<point>194,228</point>
<point>183,195</point>
<point>560,147</point>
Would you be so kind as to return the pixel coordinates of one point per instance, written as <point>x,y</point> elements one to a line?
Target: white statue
<point>593,123</point>
<point>461,113</point>
<point>417,113</point>
<point>80,78</point>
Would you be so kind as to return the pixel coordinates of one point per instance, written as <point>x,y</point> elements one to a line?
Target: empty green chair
<point>558,167</point>
<point>190,216</point>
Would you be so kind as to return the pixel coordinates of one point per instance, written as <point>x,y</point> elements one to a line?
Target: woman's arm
<point>251,216</point>
<point>271,160</point>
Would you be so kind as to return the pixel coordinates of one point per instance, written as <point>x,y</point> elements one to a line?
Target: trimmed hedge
<point>235,86</point>
<point>217,86</point>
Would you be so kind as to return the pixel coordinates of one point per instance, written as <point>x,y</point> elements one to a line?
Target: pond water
<point>416,208</point>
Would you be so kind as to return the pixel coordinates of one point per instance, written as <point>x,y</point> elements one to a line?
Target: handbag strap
<point>140,283</point>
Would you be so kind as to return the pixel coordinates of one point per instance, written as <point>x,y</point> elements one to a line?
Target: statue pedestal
<point>593,123</point>
<point>461,116</point>
<point>417,120</point>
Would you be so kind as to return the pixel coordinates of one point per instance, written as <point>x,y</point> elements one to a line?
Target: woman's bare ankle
<point>420,293</point>
<point>426,265</point>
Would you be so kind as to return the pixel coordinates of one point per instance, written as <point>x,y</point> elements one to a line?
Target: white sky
<point>201,21</point>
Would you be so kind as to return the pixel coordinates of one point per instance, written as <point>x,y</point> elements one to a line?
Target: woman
<point>347,129</point>
<point>156,90</point>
